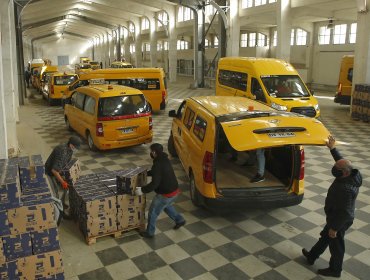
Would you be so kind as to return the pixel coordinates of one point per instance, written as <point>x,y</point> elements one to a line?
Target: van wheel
<point>90,142</point>
<point>68,125</point>
<point>171,146</point>
<point>195,196</point>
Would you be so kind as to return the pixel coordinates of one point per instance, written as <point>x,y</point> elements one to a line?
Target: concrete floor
<point>255,244</point>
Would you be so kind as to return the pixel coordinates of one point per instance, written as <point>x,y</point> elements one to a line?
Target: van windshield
<point>284,86</point>
<point>64,80</point>
<point>118,106</point>
<point>85,66</point>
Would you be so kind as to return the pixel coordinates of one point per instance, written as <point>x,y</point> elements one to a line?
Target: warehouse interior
<point>187,38</point>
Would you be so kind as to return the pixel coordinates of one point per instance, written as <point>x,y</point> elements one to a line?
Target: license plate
<point>281,134</point>
<point>128,130</point>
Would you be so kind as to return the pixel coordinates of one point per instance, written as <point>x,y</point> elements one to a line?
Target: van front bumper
<point>103,144</point>
<point>258,201</point>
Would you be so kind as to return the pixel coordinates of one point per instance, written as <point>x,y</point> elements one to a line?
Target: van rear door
<point>258,129</point>
<point>124,117</point>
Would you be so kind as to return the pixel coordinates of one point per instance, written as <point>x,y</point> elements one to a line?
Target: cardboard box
<point>31,168</point>
<point>28,200</point>
<point>45,241</point>
<point>35,186</point>
<point>17,246</point>
<point>59,276</point>
<point>127,183</point>
<point>125,201</point>
<point>8,271</point>
<point>105,206</point>
<point>9,188</point>
<point>40,266</point>
<point>131,218</point>
<point>2,256</point>
<point>31,218</point>
<point>72,172</point>
<point>99,225</point>
<point>4,224</point>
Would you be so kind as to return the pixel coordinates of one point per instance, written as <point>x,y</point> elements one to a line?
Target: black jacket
<point>163,177</point>
<point>58,159</point>
<point>341,197</point>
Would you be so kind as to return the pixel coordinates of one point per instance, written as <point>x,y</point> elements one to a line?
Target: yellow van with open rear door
<point>150,81</point>
<point>109,116</point>
<point>206,129</point>
<point>344,91</point>
<point>55,85</point>
<point>41,79</point>
<point>268,80</point>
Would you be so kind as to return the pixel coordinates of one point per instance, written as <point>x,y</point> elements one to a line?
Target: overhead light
<point>87,1</point>
<point>361,6</point>
<point>182,38</point>
<point>330,24</point>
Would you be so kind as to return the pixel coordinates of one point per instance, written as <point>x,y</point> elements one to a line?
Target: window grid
<point>292,34</point>
<point>165,45</point>
<point>182,45</point>
<point>274,39</point>
<point>301,38</point>
<point>252,40</point>
<point>352,33</point>
<point>131,28</point>
<point>339,36</point>
<point>184,14</point>
<point>261,42</point>
<point>247,4</point>
<point>260,2</point>
<point>132,48</point>
<point>215,42</point>
<point>145,24</point>
<point>324,35</point>
<point>244,40</point>
<point>163,17</point>
<point>210,10</point>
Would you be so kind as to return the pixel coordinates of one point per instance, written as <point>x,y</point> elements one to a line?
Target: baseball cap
<point>75,141</point>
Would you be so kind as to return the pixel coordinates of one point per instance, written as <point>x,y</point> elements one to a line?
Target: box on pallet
<point>17,246</point>
<point>45,241</point>
<point>71,172</point>
<point>130,218</point>
<point>105,205</point>
<point>8,271</point>
<point>4,223</point>
<point>31,218</point>
<point>41,265</point>
<point>126,183</point>
<point>96,226</point>
<point>59,276</point>
<point>125,201</point>
<point>2,256</point>
<point>31,168</point>
<point>9,188</point>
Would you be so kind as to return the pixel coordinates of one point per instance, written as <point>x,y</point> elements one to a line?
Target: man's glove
<point>64,185</point>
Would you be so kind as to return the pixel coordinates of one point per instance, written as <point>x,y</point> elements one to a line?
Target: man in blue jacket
<point>165,184</point>
<point>339,210</point>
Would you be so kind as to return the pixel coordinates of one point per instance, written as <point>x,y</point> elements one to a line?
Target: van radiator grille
<point>307,111</point>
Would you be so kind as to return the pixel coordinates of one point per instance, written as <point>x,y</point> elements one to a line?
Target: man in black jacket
<point>165,184</point>
<point>339,210</point>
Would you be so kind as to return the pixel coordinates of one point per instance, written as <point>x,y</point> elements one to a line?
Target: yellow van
<point>344,91</point>
<point>151,81</point>
<point>109,116</point>
<point>206,129</point>
<point>271,81</point>
<point>95,65</point>
<point>35,68</point>
<point>41,79</point>
<point>121,64</point>
<point>55,85</point>
<point>81,68</point>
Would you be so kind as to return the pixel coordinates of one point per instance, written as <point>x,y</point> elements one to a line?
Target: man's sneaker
<point>257,178</point>
<point>179,225</point>
<point>305,253</point>
<point>328,272</point>
<point>145,234</point>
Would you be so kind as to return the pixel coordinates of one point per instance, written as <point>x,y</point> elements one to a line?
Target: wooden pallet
<point>116,234</point>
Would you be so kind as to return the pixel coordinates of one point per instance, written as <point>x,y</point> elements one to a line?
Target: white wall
<point>74,48</point>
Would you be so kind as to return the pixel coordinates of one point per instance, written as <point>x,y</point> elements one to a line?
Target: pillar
<point>284,27</point>
<point>172,45</point>
<point>153,42</point>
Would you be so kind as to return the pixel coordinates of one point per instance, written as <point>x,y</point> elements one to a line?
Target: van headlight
<point>279,107</point>
<point>317,108</point>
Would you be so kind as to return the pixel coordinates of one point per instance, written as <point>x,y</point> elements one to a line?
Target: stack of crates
<point>361,102</point>
<point>29,240</point>
<point>105,203</point>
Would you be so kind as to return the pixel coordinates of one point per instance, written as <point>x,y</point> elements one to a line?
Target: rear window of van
<point>64,80</point>
<point>118,106</point>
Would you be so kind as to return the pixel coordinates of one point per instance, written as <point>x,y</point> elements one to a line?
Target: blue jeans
<point>260,154</point>
<point>160,203</point>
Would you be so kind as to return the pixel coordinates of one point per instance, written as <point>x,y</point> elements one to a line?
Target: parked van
<point>55,85</point>
<point>95,65</point>
<point>41,79</point>
<point>344,91</point>
<point>151,81</point>
<point>35,68</point>
<point>271,81</point>
<point>206,129</point>
<point>109,116</point>
<point>81,68</point>
<point>121,64</point>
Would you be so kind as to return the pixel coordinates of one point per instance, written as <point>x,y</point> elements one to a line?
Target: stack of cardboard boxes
<point>105,203</point>
<point>361,102</point>
<point>29,242</point>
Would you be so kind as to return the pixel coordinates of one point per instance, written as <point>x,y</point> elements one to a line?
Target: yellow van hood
<point>263,129</point>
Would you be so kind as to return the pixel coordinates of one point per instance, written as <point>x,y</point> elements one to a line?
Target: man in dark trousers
<point>165,184</point>
<point>57,161</point>
<point>339,210</point>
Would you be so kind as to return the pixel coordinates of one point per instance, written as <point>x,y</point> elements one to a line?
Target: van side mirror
<point>172,113</point>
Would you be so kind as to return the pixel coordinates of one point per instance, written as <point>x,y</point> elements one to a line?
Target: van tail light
<point>208,168</point>
<point>150,123</point>
<point>164,96</point>
<point>301,169</point>
<point>51,89</point>
<point>340,89</point>
<point>99,130</point>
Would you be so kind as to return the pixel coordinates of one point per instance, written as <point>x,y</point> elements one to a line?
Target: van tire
<point>68,125</point>
<point>90,142</point>
<point>195,196</point>
<point>171,146</point>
